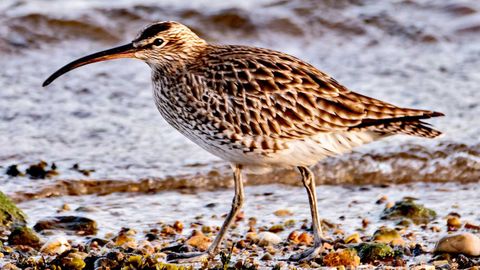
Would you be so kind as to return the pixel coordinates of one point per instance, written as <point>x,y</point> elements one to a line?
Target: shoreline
<point>277,209</point>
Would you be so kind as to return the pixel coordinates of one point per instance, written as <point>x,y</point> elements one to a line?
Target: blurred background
<point>414,53</point>
<point>108,153</point>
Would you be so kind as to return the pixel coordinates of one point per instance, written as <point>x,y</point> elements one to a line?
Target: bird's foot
<point>189,257</point>
<point>307,255</point>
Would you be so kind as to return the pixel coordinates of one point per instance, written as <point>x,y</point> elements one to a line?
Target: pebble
<point>267,257</point>
<point>346,257</point>
<point>283,213</point>
<point>276,228</point>
<point>268,238</point>
<point>353,239</point>
<point>178,226</point>
<point>305,238</point>
<point>23,236</point>
<point>81,225</point>
<point>199,241</point>
<point>453,223</point>
<point>388,235</point>
<point>55,245</point>
<point>463,243</point>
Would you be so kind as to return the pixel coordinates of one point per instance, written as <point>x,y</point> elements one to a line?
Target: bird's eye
<point>157,42</point>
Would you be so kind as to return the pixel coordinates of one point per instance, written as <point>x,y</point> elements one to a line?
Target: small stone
<point>289,223</point>
<point>55,245</point>
<point>345,257</point>
<point>276,228</point>
<point>240,216</point>
<point>353,239</point>
<point>13,171</point>
<point>382,199</point>
<point>65,207</point>
<point>81,225</point>
<point>471,226</point>
<point>198,240</point>
<point>283,213</point>
<point>453,223</point>
<point>126,239</point>
<point>462,243</point>
<point>407,208</point>
<point>267,257</point>
<point>305,239</point>
<point>206,229</point>
<point>251,236</point>
<point>293,237</point>
<point>369,252</point>
<point>388,236</point>
<point>24,236</point>
<point>365,223</point>
<point>268,238</point>
<point>73,261</point>
<point>178,226</point>
<point>168,230</point>
<point>86,209</point>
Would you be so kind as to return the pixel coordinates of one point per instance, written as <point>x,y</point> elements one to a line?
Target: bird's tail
<point>410,125</point>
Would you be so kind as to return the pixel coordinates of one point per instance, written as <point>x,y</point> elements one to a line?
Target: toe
<point>187,257</point>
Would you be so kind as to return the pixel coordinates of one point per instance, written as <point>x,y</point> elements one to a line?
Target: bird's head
<point>158,44</point>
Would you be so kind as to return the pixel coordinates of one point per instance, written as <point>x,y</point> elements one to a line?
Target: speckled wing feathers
<point>260,92</point>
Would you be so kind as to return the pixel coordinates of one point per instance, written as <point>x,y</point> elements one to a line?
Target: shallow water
<point>423,54</point>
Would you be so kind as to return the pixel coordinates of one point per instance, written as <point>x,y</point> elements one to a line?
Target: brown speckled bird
<point>257,109</point>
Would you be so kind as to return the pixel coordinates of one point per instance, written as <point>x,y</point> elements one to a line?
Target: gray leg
<point>236,206</point>
<point>309,183</point>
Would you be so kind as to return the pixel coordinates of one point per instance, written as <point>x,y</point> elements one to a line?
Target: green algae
<point>9,213</point>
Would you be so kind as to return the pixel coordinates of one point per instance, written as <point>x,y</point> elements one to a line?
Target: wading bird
<point>257,109</point>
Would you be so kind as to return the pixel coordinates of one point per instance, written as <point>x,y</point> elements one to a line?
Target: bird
<point>257,109</point>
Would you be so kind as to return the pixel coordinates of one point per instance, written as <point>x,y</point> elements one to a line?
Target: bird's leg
<point>236,206</point>
<point>309,183</point>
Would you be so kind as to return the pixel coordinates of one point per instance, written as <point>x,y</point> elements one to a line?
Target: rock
<point>462,243</point>
<point>13,171</point>
<point>283,213</point>
<point>87,209</point>
<point>55,245</point>
<point>293,237</point>
<point>73,260</point>
<point>388,236</point>
<point>10,214</point>
<point>369,252</point>
<point>407,208</point>
<point>267,239</point>
<point>178,226</point>
<point>251,236</point>
<point>267,257</point>
<point>472,226</point>
<point>80,225</point>
<point>199,241</point>
<point>305,239</point>
<point>346,257</point>
<point>40,170</point>
<point>24,236</point>
<point>126,239</point>
<point>353,239</point>
<point>453,223</point>
<point>276,228</point>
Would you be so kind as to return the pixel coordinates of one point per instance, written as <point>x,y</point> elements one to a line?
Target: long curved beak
<point>124,51</point>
